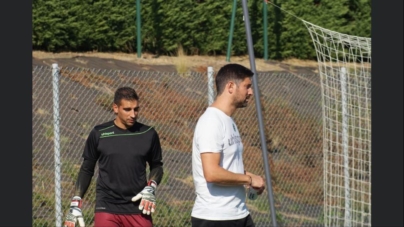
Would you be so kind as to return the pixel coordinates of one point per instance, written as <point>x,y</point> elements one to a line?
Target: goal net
<point>344,63</point>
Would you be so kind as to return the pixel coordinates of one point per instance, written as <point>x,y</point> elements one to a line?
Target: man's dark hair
<point>231,72</point>
<point>126,93</point>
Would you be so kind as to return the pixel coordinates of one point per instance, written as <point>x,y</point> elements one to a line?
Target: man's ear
<point>230,87</point>
<point>115,108</point>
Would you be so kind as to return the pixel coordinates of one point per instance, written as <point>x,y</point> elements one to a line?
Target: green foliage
<point>42,223</point>
<point>201,26</point>
<point>173,215</point>
<point>262,206</point>
<point>296,40</point>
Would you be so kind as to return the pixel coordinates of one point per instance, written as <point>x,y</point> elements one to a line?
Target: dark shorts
<point>245,222</point>
<point>102,219</point>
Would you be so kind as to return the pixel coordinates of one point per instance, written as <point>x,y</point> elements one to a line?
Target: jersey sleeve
<point>84,178</point>
<point>155,156</point>
<point>209,135</point>
<point>155,159</point>
<point>90,148</point>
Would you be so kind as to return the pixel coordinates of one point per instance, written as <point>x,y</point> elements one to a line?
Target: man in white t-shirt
<point>217,156</point>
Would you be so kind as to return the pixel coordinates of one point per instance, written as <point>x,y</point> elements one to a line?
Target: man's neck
<point>224,105</point>
<point>120,125</point>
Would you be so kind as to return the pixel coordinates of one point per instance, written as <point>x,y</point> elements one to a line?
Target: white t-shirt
<point>216,132</point>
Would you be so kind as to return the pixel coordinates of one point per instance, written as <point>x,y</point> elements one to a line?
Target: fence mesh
<point>172,103</point>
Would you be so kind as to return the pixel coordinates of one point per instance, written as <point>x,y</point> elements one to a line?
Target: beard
<point>242,104</point>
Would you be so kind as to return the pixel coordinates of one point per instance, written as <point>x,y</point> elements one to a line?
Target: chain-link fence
<point>66,108</point>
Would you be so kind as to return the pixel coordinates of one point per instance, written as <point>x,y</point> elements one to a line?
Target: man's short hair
<point>231,72</point>
<point>127,93</point>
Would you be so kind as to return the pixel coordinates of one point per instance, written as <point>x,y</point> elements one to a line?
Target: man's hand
<point>258,184</point>
<point>74,213</point>
<point>148,202</point>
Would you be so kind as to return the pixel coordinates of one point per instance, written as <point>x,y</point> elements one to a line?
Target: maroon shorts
<point>102,219</point>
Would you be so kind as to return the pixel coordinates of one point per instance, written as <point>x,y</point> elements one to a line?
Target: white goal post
<point>344,63</point>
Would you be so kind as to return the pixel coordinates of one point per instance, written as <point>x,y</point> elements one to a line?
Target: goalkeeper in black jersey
<point>123,147</point>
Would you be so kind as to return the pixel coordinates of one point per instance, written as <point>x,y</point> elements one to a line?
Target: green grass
<point>173,215</point>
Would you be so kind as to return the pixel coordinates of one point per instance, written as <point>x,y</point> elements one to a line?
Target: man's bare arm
<point>214,173</point>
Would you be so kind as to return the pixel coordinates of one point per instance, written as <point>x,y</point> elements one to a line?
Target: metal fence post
<point>259,112</point>
<point>210,85</point>
<point>56,131</point>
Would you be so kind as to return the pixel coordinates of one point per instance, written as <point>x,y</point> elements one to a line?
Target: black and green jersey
<point>122,156</point>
